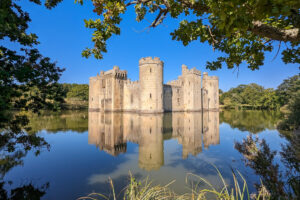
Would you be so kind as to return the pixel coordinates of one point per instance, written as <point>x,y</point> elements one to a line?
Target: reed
<point>146,190</point>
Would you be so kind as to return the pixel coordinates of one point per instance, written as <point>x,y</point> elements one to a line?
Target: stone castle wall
<point>173,98</point>
<point>131,96</point>
<point>112,91</point>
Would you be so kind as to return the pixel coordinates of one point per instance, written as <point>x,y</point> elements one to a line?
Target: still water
<point>86,148</point>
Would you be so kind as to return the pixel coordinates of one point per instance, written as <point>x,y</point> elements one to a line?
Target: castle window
<point>189,83</point>
<point>150,130</point>
<point>103,83</point>
<point>177,90</point>
<point>150,96</point>
<point>92,99</point>
<point>150,70</point>
<point>131,98</point>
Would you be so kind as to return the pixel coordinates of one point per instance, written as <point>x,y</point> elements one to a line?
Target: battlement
<point>115,72</point>
<point>186,71</point>
<point>130,83</point>
<point>93,78</point>
<point>150,60</point>
<point>206,77</point>
<point>121,75</point>
<point>174,83</point>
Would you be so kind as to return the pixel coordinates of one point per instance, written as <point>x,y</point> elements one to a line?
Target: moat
<point>86,148</point>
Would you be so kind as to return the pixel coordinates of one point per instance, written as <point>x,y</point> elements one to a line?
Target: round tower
<point>151,85</point>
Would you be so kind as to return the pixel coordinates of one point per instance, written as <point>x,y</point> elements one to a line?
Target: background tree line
<point>254,96</point>
<point>76,91</point>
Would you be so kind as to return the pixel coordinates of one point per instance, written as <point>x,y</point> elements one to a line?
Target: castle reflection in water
<point>111,132</point>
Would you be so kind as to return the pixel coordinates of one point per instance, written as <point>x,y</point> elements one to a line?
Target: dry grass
<point>145,190</point>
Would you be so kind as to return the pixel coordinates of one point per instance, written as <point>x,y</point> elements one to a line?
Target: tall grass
<point>145,190</point>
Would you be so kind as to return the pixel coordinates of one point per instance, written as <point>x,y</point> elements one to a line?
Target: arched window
<point>150,96</point>
<point>150,70</point>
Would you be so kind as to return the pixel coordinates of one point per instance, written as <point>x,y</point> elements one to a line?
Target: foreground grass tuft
<point>145,190</point>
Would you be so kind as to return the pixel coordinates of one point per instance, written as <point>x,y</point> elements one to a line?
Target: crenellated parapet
<point>150,60</point>
<point>115,73</point>
<point>119,74</point>
<point>131,84</point>
<point>174,83</point>
<point>186,71</point>
<point>92,79</point>
<point>206,77</point>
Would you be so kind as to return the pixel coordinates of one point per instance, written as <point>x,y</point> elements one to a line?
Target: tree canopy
<point>242,30</point>
<point>28,81</point>
<point>250,96</point>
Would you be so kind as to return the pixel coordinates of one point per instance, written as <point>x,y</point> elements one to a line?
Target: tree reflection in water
<point>282,184</point>
<point>15,143</point>
<point>253,121</point>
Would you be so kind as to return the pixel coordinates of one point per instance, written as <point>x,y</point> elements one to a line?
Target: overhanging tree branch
<point>265,30</point>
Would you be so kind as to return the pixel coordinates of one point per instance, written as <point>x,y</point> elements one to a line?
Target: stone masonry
<point>113,91</point>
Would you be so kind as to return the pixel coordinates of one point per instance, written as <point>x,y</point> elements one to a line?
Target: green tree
<point>292,121</point>
<point>269,100</point>
<point>28,81</point>
<point>251,96</point>
<point>77,91</point>
<point>288,89</point>
<point>242,30</point>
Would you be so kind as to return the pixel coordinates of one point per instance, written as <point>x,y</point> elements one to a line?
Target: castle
<point>112,91</point>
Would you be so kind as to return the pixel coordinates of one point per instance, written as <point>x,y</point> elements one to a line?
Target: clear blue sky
<point>63,36</point>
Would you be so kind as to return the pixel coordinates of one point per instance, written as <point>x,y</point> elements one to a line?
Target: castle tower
<point>210,92</point>
<point>191,84</point>
<point>151,85</point>
<point>117,81</point>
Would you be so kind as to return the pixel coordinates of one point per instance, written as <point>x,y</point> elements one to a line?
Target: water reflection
<point>111,132</point>
<point>141,144</point>
<point>253,121</point>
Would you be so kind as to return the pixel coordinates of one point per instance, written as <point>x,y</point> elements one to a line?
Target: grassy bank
<point>145,190</point>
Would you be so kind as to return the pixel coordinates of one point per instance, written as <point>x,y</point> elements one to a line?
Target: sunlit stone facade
<point>113,91</point>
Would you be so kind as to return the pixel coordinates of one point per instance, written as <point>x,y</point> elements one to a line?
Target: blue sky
<point>62,37</point>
